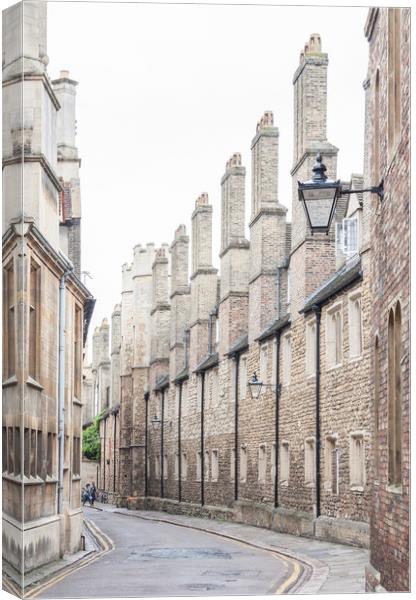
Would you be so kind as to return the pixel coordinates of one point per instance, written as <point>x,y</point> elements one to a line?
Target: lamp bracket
<point>375,189</point>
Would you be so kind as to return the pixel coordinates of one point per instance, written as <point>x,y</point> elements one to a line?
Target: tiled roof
<point>275,326</point>
<point>210,361</point>
<point>345,276</point>
<point>239,346</point>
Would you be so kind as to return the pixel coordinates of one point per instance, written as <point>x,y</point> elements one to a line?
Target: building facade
<point>387,89</point>
<point>295,309</point>
<point>46,308</point>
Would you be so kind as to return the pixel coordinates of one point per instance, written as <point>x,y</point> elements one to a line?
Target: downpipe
<point>317,310</point>
<point>61,387</point>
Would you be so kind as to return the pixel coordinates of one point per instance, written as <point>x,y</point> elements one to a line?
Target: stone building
<point>387,153</point>
<point>293,308</point>
<point>46,308</point>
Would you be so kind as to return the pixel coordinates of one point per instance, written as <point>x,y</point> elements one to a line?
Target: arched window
<point>395,395</point>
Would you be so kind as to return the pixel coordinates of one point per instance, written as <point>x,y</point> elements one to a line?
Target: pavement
<point>153,553</point>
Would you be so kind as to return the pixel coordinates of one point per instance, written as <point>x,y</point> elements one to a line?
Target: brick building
<point>192,438</point>
<point>388,158</point>
<point>46,308</point>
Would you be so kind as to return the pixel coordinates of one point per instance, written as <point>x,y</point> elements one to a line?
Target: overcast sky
<point>167,93</point>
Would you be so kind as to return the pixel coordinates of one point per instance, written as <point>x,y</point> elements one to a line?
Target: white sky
<point>167,93</point>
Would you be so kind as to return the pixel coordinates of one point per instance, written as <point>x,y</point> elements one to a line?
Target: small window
<point>310,461</point>
<point>263,363</point>
<point>76,455</point>
<point>198,466</point>
<point>165,466</point>
<point>34,316</point>
<point>287,358</point>
<point>9,325</point>
<point>284,462</point>
<point>184,467</point>
<point>176,467</point>
<point>206,465</point>
<point>78,356</point>
<point>215,465</point>
<point>232,465</point>
<point>199,393</point>
<point>310,348</point>
<point>346,237</point>
<point>357,464</point>
<point>355,326</point>
<point>274,365</point>
<point>184,401</point>
<point>273,462</point>
<point>157,467</point>
<point>214,387</point>
<point>243,463</point>
<point>242,377</point>
<point>334,337</point>
<point>330,447</point>
<point>262,463</point>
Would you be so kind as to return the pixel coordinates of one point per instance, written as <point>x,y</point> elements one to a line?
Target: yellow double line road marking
<point>106,545</point>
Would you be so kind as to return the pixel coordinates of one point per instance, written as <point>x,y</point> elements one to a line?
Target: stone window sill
<point>395,489</point>
<point>33,383</point>
<point>355,359</point>
<point>76,401</point>
<point>9,382</point>
<point>309,484</point>
<point>357,488</point>
<point>284,483</point>
<point>333,367</point>
<point>76,477</point>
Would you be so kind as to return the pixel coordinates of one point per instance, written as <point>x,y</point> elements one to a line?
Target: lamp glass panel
<point>255,389</point>
<point>318,203</point>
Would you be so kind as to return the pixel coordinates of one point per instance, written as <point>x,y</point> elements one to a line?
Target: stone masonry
<point>295,309</point>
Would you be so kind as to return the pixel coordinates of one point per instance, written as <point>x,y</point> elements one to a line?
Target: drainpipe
<point>162,458</point>
<point>114,453</point>
<point>317,311</point>
<point>277,414</point>
<point>61,387</point>
<point>202,438</point>
<point>105,441</point>
<point>237,364</point>
<point>146,408</point>
<point>179,445</point>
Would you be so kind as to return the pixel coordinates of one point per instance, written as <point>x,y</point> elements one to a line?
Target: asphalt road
<point>160,559</point>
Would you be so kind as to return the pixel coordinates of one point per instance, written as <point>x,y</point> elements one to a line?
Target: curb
<point>309,581</point>
<point>103,544</point>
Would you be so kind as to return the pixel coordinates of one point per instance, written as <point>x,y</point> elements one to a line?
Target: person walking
<point>93,494</point>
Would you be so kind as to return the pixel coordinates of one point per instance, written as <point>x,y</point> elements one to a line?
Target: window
<point>262,464</point>
<point>310,461</point>
<point>274,349</point>
<point>198,466</point>
<point>355,326</point>
<point>26,445</point>
<point>76,455</point>
<point>215,465</point>
<point>11,450</point>
<point>346,237</point>
<point>34,315</point>
<point>232,465</point>
<point>206,465</point>
<point>177,393</point>
<point>357,468</point>
<point>284,462</point>
<point>243,463</point>
<point>32,456</point>
<point>165,466</point>
<point>376,407</point>
<point>214,387</point>
<point>199,393</point>
<point>287,359</point>
<point>273,461</point>
<point>184,402</point>
<point>50,451</point>
<point>184,467</point>
<point>157,467</point>
<point>334,336</point>
<point>9,326</point>
<point>78,355</point>
<point>395,396</point>
<point>17,451</point>
<point>263,363</point>
<point>4,448</point>
<point>394,79</point>
<point>310,348</point>
<point>176,466</point>
<point>289,285</point>
<point>329,455</point>
<point>242,377</point>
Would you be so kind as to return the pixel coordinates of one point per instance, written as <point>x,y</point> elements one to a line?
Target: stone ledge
<point>343,531</point>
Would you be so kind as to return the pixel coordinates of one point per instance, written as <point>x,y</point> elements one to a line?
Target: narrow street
<point>161,559</point>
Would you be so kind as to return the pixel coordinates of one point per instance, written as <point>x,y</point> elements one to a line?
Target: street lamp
<point>320,194</point>
<point>255,386</point>
<point>157,421</point>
